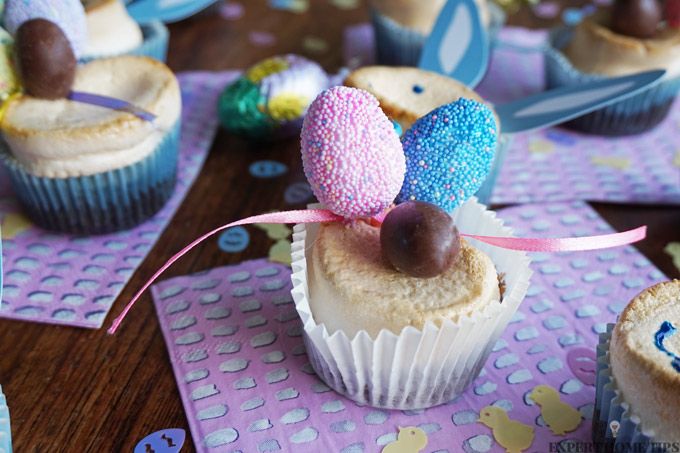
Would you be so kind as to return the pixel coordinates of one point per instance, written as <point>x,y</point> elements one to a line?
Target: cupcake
<point>86,169</point>
<point>402,26</point>
<point>407,94</point>
<point>399,312</point>
<point>629,38</point>
<point>112,32</point>
<point>272,97</point>
<point>638,381</point>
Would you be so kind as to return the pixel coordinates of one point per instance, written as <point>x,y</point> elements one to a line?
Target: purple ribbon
<point>111,103</point>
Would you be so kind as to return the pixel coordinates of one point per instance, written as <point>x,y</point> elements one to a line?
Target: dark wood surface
<point>77,390</point>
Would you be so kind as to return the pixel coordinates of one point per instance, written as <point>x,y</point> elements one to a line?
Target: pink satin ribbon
<point>323,215</point>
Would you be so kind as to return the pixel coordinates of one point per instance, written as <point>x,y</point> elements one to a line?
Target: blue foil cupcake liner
<point>101,203</point>
<point>397,45</point>
<point>5,430</point>
<point>485,192</point>
<point>633,115</point>
<point>611,409</point>
<point>155,44</point>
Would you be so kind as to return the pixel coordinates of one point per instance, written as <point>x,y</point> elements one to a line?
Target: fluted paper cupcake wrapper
<point>610,407</point>
<point>415,369</point>
<point>400,46</point>
<point>155,44</point>
<point>632,115</point>
<point>101,203</point>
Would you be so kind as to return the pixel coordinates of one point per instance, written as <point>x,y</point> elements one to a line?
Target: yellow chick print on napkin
<point>13,225</point>
<point>673,249</point>
<point>409,440</point>
<point>512,435</point>
<point>559,416</point>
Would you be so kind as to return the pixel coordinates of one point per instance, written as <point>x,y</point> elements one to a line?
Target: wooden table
<point>78,390</point>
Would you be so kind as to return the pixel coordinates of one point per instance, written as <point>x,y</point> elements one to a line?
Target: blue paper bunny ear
<point>165,441</point>
<point>458,45</point>
<point>168,11</point>
<point>562,104</point>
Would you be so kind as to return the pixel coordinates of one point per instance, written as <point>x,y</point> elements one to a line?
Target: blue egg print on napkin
<point>449,153</point>
<point>164,441</point>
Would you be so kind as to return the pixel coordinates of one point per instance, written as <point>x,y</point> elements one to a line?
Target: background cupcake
<point>631,37</point>
<point>86,169</point>
<point>111,31</point>
<point>637,401</point>
<point>402,26</point>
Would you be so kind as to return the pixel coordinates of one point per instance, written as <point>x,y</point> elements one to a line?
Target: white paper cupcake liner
<point>612,410</point>
<point>415,369</point>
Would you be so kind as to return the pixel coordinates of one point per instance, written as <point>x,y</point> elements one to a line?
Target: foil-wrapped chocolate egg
<point>9,82</point>
<point>351,153</point>
<point>47,65</point>
<point>272,97</point>
<point>419,239</point>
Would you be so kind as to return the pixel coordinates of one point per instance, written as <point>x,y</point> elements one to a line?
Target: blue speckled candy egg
<point>449,153</point>
<point>69,15</point>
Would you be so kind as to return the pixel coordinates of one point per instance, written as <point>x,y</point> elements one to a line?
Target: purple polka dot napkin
<point>61,279</point>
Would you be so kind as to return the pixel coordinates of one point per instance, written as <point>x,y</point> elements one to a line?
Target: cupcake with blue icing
<point>271,98</point>
<point>82,168</point>
<point>638,381</point>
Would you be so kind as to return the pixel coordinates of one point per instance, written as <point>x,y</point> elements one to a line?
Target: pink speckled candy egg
<point>351,153</point>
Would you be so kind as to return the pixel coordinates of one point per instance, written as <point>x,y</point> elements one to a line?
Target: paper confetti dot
<point>582,362</point>
<point>234,240</point>
<point>546,10</point>
<point>297,193</point>
<point>13,225</point>
<point>345,4</point>
<point>266,169</point>
<point>275,231</point>
<point>262,38</point>
<point>231,10</point>
<point>560,417</point>
<point>673,249</point>
<point>315,44</point>
<point>280,252</point>
<point>295,6</point>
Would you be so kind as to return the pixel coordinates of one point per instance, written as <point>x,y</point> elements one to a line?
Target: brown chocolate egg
<point>45,59</point>
<point>636,18</point>
<point>419,239</point>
